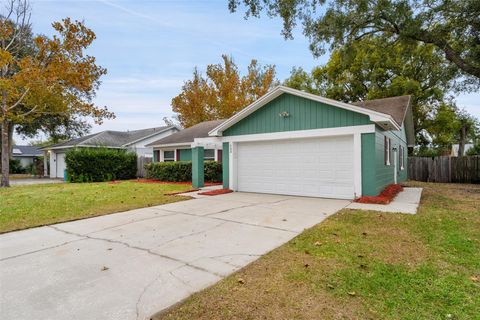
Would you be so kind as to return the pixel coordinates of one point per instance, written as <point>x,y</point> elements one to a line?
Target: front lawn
<point>363,265</point>
<point>35,205</point>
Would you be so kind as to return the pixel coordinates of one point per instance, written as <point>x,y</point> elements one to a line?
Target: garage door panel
<point>320,167</point>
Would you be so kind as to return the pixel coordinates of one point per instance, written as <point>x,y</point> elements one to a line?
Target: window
<point>168,156</point>
<point>386,150</point>
<point>209,154</point>
<point>401,153</point>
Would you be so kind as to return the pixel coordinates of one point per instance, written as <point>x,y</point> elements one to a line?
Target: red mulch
<point>114,182</point>
<point>207,184</point>
<point>385,197</point>
<point>215,192</point>
<point>180,192</point>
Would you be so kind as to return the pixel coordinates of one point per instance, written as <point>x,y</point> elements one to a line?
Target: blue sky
<point>150,47</point>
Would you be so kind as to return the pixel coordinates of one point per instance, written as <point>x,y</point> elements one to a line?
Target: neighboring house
<point>178,146</point>
<point>455,147</point>
<point>295,143</point>
<point>26,154</point>
<point>136,141</point>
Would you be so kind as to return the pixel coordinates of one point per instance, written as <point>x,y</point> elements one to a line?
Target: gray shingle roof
<point>111,139</point>
<point>187,135</point>
<point>26,151</point>
<point>394,106</point>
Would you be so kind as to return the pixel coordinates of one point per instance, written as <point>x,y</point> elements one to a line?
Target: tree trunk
<point>5,154</point>
<point>461,143</point>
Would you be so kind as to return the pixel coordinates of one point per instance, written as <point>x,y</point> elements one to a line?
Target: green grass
<point>363,265</point>
<point>35,205</point>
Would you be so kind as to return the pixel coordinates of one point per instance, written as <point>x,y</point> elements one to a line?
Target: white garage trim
<point>325,169</point>
<point>356,131</point>
<point>314,133</point>
<point>357,149</point>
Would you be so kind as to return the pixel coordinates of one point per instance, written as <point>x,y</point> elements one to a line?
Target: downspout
<point>395,164</point>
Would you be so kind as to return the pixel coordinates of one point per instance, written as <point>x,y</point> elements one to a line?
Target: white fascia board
<point>149,136</point>
<point>277,91</point>
<point>169,145</point>
<point>209,142</point>
<point>314,133</point>
<point>84,146</point>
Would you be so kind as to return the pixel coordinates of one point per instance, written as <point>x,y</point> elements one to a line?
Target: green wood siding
<point>368,165</point>
<point>304,114</point>
<point>375,174</point>
<point>185,155</point>
<point>225,165</point>
<point>384,174</point>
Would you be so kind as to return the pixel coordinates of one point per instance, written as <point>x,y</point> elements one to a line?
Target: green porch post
<point>197,167</point>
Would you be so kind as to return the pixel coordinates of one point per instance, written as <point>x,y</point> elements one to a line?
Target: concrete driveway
<point>133,264</point>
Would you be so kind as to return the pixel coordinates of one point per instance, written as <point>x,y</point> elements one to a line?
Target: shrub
<point>181,171</point>
<point>178,171</point>
<point>100,164</point>
<point>16,167</point>
<point>213,171</point>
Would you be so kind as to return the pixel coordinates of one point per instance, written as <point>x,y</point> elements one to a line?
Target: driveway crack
<point>138,248</point>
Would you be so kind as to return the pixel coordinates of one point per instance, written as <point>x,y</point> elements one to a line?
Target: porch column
<point>198,167</point>
<point>45,163</point>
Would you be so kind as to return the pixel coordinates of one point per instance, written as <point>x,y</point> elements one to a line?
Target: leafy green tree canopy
<point>452,26</point>
<point>376,68</point>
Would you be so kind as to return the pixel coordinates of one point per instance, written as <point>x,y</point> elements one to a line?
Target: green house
<point>295,143</point>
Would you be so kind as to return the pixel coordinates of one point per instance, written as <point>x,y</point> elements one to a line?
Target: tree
<point>452,26</point>
<point>467,131</point>
<point>57,78</point>
<point>449,125</point>
<point>222,93</point>
<point>374,68</point>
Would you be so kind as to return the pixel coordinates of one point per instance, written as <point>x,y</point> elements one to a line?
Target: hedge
<point>181,171</point>
<point>100,164</point>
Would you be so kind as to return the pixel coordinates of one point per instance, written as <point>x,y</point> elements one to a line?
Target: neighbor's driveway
<point>133,264</point>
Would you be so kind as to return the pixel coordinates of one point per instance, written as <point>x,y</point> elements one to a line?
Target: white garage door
<point>316,167</point>
<point>60,163</point>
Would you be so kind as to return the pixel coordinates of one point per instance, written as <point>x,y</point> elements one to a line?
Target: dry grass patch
<point>362,265</point>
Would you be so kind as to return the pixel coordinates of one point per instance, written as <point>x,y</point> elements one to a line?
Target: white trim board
<point>385,121</point>
<point>354,144</point>
<point>169,145</point>
<point>369,128</point>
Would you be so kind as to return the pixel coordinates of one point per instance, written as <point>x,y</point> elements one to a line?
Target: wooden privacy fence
<point>445,169</point>
<point>141,162</point>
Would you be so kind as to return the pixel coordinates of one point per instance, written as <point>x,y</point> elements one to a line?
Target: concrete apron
<point>133,264</point>
<point>406,201</point>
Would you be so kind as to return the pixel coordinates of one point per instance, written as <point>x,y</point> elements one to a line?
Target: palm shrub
<point>181,171</point>
<point>100,164</point>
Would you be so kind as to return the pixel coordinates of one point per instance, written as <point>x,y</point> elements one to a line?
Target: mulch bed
<point>385,197</point>
<point>215,192</point>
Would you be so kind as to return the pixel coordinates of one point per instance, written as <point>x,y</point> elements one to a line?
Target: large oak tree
<point>452,26</point>
<point>56,78</point>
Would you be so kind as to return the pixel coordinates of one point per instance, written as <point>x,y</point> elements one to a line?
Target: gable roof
<point>26,151</point>
<point>399,108</point>
<point>394,106</point>
<point>384,120</point>
<point>187,136</point>
<point>111,139</point>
